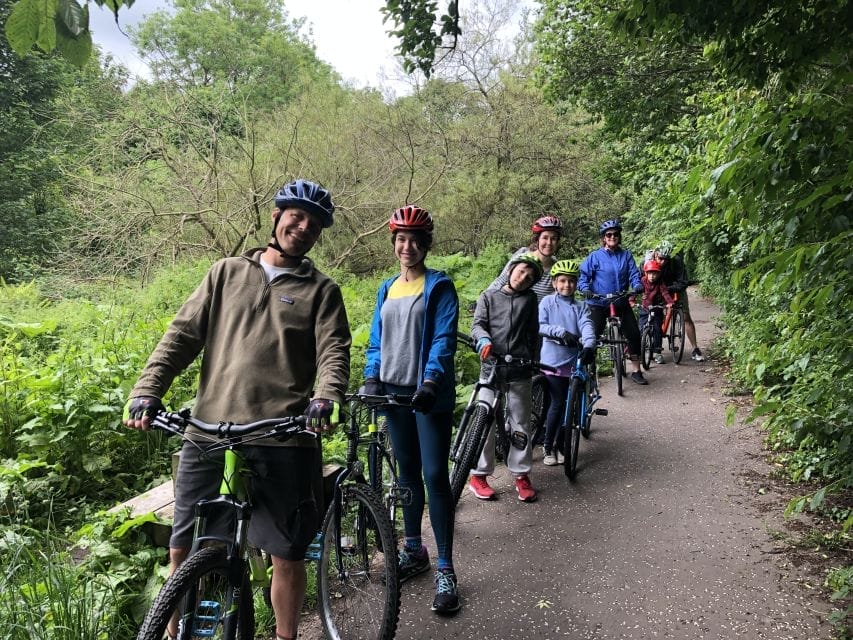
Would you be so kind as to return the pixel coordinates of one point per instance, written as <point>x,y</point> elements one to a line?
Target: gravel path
<point>660,536</point>
<point>663,535</point>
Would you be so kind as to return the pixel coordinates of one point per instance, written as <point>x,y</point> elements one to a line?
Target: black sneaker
<point>637,377</point>
<point>412,563</point>
<point>446,595</point>
<point>697,355</point>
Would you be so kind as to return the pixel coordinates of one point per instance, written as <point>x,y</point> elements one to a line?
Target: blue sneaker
<point>446,594</point>
<point>412,563</point>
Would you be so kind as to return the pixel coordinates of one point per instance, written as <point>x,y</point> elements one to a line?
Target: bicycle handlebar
<point>392,399</point>
<point>505,359</point>
<point>610,297</point>
<point>280,428</point>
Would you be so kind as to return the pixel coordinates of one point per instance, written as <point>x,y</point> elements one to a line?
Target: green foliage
<point>55,24</point>
<point>420,30</point>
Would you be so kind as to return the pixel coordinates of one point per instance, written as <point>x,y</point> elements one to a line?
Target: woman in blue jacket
<point>411,349</point>
<point>611,269</point>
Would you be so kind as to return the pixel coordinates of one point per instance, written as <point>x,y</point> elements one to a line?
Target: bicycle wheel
<point>572,430</point>
<point>359,589</point>
<point>676,332</point>
<point>469,452</point>
<point>539,406</point>
<point>591,390</point>
<point>646,347</point>
<point>200,592</point>
<point>617,354</point>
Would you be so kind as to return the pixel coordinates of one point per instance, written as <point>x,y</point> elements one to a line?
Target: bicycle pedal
<point>206,619</point>
<point>404,497</point>
<point>601,412</point>
<point>315,549</point>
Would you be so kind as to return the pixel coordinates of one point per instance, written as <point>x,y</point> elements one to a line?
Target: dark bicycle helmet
<point>527,258</point>
<point>312,197</point>
<point>410,218</point>
<point>565,268</point>
<point>547,223</point>
<point>613,224</point>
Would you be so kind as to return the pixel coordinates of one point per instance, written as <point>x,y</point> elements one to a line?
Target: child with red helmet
<point>654,292</point>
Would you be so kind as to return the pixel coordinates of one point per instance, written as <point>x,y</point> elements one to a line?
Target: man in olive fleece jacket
<point>271,328</point>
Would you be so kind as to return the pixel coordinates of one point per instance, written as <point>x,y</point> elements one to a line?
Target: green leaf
<point>722,174</point>
<point>72,16</point>
<point>76,50</point>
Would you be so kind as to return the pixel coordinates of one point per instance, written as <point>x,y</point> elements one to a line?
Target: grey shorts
<point>285,488</point>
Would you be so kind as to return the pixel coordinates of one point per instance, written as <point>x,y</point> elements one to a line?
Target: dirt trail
<point>662,535</point>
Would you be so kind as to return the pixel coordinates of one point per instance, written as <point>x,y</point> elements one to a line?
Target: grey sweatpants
<point>514,417</point>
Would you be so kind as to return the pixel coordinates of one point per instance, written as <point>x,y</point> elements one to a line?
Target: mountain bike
<point>613,336</point>
<point>580,407</point>
<point>211,592</point>
<point>479,416</point>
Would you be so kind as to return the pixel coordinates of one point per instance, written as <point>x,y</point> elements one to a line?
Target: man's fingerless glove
<point>322,413</point>
<point>136,408</point>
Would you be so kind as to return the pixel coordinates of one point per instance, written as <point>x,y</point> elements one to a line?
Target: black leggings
<point>630,330</point>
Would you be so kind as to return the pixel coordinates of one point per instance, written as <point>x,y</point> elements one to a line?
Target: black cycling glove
<point>322,413</point>
<point>424,398</point>
<point>372,387</point>
<point>588,355</point>
<point>141,406</point>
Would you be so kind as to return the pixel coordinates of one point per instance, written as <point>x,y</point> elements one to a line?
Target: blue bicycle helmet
<point>613,224</point>
<point>312,197</point>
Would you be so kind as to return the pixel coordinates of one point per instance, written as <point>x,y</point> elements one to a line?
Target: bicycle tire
<point>572,430</point>
<point>202,579</point>
<point>363,601</point>
<point>470,452</point>
<point>539,406</point>
<point>646,347</point>
<point>617,355</point>
<point>592,384</point>
<point>676,329</point>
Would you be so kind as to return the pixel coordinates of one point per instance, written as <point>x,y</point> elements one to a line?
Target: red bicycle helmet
<point>651,265</point>
<point>547,223</point>
<point>410,218</point>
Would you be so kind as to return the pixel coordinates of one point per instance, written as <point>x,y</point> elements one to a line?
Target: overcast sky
<point>348,34</point>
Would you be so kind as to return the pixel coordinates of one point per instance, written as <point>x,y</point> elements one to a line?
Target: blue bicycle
<point>579,409</point>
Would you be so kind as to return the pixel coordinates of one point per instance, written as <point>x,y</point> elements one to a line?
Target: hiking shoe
<point>526,492</point>
<point>658,358</point>
<point>411,563</point>
<point>697,355</point>
<point>480,488</point>
<point>446,594</point>
<point>550,460</point>
<point>637,377</point>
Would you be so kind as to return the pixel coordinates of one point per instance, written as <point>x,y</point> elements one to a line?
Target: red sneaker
<point>526,492</point>
<point>480,488</point>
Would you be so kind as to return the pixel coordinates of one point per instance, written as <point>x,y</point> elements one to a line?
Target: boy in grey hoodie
<point>507,320</point>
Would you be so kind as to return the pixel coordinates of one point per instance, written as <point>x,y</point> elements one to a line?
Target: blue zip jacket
<point>604,272</point>
<point>438,344</point>
<point>558,315</point>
